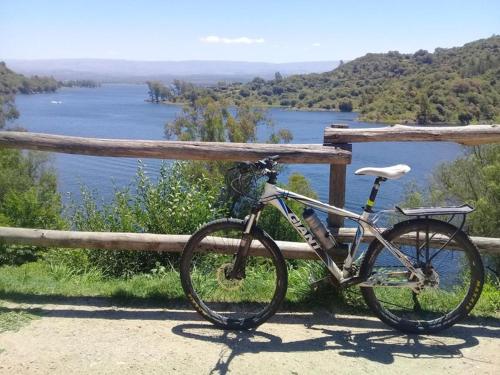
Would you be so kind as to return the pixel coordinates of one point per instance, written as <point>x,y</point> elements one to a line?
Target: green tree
<point>474,179</point>
<point>8,109</point>
<point>424,111</point>
<point>157,91</point>
<point>28,191</point>
<point>209,120</point>
<point>9,83</point>
<point>345,106</point>
<point>28,198</point>
<point>465,118</point>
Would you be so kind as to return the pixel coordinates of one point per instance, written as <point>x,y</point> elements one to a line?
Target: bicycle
<point>404,275</point>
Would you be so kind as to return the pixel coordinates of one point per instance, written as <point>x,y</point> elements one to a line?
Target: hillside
<point>455,85</point>
<point>12,83</point>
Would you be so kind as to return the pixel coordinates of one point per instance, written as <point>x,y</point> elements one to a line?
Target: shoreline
<point>267,106</point>
<point>358,118</point>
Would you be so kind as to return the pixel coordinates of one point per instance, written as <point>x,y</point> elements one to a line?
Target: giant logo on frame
<point>303,230</point>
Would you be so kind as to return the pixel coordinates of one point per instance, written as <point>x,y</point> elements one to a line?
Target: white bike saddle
<point>391,173</point>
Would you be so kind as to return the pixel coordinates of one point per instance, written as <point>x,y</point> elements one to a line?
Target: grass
<point>40,278</point>
<point>14,320</point>
<point>43,281</point>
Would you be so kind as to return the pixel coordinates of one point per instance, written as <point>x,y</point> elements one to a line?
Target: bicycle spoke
<point>448,276</point>
<point>235,302</point>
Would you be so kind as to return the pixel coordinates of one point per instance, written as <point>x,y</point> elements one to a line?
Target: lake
<point>119,111</point>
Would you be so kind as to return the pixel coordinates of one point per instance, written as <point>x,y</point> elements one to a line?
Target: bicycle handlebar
<point>267,163</point>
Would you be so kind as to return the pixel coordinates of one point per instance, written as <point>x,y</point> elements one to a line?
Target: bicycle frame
<point>275,196</point>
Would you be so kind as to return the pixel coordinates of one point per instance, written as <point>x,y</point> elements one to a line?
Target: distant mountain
<point>452,85</point>
<point>139,71</point>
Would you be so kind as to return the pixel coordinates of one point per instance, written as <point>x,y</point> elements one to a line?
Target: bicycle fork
<point>238,270</point>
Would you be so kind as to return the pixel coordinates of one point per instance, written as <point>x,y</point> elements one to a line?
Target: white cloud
<point>316,44</point>
<point>241,40</point>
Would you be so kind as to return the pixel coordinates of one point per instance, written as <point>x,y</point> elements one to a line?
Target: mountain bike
<point>421,275</point>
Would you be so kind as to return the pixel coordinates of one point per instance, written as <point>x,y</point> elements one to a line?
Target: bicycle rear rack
<point>427,212</point>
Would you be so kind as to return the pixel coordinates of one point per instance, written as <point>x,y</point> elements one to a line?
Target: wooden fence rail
<point>289,153</point>
<point>175,243</point>
<point>467,135</point>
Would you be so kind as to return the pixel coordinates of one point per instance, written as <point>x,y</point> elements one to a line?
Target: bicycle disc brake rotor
<point>224,281</point>
<point>431,278</point>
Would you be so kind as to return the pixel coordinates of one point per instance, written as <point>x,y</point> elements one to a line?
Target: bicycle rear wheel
<point>453,270</point>
<point>229,303</point>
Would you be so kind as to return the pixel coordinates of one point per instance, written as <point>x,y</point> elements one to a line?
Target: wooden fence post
<point>337,183</point>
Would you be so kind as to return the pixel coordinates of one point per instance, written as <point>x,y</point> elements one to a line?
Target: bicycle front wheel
<point>453,276</point>
<point>227,302</point>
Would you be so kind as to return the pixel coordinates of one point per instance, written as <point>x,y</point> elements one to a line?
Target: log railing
<point>336,151</point>
<point>175,242</point>
<point>289,153</point>
<point>466,135</point>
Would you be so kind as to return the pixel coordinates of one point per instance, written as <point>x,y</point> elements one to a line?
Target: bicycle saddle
<point>391,173</point>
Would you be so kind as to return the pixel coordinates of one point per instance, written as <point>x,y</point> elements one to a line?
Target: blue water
<point>119,111</point>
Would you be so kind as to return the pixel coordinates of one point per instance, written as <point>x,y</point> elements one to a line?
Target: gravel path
<point>91,336</point>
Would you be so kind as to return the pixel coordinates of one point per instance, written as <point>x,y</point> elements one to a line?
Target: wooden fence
<point>175,242</point>
<point>289,153</point>
<point>336,151</point>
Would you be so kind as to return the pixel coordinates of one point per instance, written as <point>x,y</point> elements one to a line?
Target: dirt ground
<point>93,337</point>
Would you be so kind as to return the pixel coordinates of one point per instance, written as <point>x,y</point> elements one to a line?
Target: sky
<point>269,31</point>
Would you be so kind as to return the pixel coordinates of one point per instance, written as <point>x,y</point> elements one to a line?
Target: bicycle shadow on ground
<point>146,308</point>
<point>356,337</point>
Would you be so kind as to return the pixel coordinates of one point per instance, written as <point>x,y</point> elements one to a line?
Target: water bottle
<point>319,231</point>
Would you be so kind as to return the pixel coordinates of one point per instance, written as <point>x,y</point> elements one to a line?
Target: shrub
<point>278,90</point>
<point>345,106</point>
<point>465,118</point>
<point>28,198</point>
<point>175,203</point>
<point>474,179</point>
<point>274,223</point>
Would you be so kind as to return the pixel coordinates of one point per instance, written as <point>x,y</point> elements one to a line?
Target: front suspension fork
<point>238,269</point>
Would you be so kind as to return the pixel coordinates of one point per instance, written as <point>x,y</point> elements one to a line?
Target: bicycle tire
<point>213,304</point>
<point>432,319</point>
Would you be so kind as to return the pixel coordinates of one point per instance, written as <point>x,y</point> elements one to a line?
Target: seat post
<point>371,201</point>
